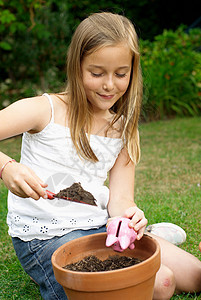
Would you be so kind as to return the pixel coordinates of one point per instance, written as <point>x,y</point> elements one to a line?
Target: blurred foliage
<point>172,74</point>
<point>34,36</point>
<point>150,17</point>
<point>33,45</point>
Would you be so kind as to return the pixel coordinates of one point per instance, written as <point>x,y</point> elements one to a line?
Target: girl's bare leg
<point>165,284</point>
<point>180,270</point>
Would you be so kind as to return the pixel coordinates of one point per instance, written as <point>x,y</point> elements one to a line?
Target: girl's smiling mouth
<point>105,96</point>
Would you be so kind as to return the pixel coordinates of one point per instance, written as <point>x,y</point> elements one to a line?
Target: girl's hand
<point>23,182</point>
<point>138,221</point>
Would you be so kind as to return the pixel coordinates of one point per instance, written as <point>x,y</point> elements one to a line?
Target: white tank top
<point>52,156</point>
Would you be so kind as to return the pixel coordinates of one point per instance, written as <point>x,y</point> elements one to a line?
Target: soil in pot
<point>135,282</point>
<point>76,191</point>
<point>92,263</point>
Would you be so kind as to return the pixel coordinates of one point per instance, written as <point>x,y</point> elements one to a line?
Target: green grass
<point>167,188</point>
<point>14,282</point>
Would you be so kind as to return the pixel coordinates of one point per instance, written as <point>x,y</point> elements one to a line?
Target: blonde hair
<point>96,31</point>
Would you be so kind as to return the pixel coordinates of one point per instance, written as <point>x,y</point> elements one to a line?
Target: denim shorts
<point>35,258</point>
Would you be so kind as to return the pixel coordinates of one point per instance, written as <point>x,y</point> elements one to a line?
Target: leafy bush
<point>35,35</point>
<point>34,39</point>
<point>172,75</point>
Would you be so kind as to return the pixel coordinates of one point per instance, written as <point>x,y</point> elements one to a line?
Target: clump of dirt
<point>76,193</point>
<point>92,263</point>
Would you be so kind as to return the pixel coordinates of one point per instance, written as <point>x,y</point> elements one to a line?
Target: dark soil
<point>76,193</point>
<point>93,264</point>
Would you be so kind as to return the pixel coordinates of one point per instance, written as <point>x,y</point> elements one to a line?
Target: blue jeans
<point>35,258</point>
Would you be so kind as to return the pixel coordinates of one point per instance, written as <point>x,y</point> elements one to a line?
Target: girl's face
<point>106,75</point>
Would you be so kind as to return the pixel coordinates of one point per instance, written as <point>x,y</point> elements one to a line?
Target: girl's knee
<point>165,284</point>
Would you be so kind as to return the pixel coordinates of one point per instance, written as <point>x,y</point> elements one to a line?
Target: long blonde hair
<point>96,31</point>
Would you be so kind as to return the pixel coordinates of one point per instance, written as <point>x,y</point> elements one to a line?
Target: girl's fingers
<point>140,234</point>
<point>34,188</point>
<point>140,228</point>
<point>43,184</point>
<point>130,212</point>
<point>141,224</point>
<point>138,221</point>
<point>26,191</point>
<point>137,217</point>
<point>23,182</point>
<point>40,188</point>
<point>26,183</point>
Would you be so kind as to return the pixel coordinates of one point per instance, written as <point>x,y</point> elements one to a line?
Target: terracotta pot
<point>135,282</point>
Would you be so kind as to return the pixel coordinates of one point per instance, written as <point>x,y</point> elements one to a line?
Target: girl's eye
<point>101,74</point>
<point>120,75</point>
<point>96,74</point>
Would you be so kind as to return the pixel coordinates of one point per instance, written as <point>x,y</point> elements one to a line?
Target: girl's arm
<point>31,115</point>
<point>121,200</point>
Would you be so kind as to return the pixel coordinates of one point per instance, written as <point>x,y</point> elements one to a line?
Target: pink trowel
<point>119,235</point>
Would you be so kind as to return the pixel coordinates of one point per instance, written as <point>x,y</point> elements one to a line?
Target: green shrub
<point>35,35</point>
<point>172,75</point>
<point>34,41</point>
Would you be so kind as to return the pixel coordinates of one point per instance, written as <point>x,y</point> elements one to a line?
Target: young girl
<point>80,136</point>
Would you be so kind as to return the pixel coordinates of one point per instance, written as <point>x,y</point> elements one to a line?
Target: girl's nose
<point>108,85</point>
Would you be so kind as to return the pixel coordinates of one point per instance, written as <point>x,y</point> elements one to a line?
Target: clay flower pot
<point>131,283</point>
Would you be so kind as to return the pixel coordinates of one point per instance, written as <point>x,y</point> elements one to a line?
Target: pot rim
<point>53,259</point>
<point>131,276</point>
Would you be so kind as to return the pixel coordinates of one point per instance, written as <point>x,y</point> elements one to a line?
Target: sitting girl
<point>80,135</point>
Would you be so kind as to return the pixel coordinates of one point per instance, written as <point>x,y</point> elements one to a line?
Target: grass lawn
<point>167,188</point>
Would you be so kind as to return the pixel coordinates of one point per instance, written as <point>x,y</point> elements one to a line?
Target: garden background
<point>34,36</point>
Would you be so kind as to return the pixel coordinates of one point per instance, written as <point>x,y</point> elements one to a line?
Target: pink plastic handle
<point>50,195</point>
